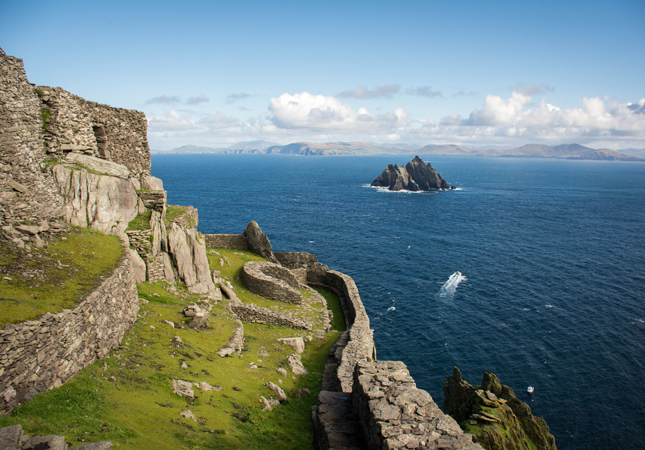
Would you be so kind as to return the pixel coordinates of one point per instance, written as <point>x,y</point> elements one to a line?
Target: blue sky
<point>473,73</point>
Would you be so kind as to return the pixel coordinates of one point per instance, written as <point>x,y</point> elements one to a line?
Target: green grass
<point>141,222</point>
<point>172,212</point>
<point>46,115</point>
<point>139,410</point>
<point>55,277</point>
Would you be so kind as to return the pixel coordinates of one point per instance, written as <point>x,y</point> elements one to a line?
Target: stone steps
<point>335,426</point>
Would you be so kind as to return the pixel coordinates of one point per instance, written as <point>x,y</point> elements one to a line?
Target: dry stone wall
<point>38,355</point>
<point>77,125</point>
<point>393,413</point>
<point>272,281</point>
<point>257,314</point>
<point>26,194</point>
<point>232,241</point>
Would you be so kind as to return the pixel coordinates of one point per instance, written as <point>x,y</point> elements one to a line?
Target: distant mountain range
<point>566,151</point>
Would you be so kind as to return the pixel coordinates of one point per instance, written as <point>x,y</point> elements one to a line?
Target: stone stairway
<point>335,426</point>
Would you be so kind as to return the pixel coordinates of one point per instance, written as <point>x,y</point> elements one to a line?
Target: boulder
<point>258,242</point>
<point>296,343</point>
<point>150,183</point>
<point>183,389</point>
<point>99,165</point>
<point>102,445</point>
<point>282,397</point>
<point>138,265</point>
<point>199,320</point>
<point>188,414</point>
<point>414,176</point>
<point>10,437</point>
<point>103,203</point>
<point>295,361</point>
<point>51,442</point>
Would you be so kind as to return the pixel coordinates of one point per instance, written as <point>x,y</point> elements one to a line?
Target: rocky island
<point>414,176</point>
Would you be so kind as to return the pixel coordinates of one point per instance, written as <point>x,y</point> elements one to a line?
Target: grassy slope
<point>34,281</point>
<point>139,410</point>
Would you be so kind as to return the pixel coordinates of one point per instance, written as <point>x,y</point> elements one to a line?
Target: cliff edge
<point>491,412</point>
<point>414,176</point>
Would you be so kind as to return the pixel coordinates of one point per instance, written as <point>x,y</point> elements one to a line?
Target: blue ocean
<point>551,255</point>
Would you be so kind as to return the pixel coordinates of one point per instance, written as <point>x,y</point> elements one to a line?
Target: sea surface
<point>551,255</point>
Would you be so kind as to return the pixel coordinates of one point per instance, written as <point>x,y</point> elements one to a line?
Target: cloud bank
<point>513,120</point>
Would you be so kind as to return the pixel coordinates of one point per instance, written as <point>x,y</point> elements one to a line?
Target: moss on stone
<point>141,222</point>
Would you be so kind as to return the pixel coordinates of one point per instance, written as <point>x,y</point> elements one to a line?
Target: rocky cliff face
<point>414,176</point>
<point>494,415</point>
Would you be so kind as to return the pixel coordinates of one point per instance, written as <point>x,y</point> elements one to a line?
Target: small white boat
<point>530,389</point>
<point>391,308</point>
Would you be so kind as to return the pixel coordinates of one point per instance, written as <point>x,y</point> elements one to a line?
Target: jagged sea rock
<point>488,409</point>
<point>258,242</point>
<point>414,176</point>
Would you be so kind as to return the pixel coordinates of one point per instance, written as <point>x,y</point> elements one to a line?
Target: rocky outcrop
<point>189,257</point>
<point>494,415</point>
<point>100,202</point>
<point>414,176</point>
<point>258,242</point>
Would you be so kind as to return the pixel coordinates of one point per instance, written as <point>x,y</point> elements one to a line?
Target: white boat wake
<point>448,289</point>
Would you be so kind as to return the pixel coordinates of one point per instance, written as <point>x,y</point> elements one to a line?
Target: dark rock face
<point>414,176</point>
<point>488,409</point>
<point>258,242</point>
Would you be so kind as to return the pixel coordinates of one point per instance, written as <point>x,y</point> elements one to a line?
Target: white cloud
<point>361,92</point>
<point>170,121</point>
<point>319,113</point>
<point>499,118</point>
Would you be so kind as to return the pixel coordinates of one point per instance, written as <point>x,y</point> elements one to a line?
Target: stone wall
<point>295,260</point>
<point>78,125</point>
<point>257,314</point>
<point>26,194</point>
<point>38,355</point>
<point>360,345</point>
<point>232,241</point>
<point>272,281</point>
<point>393,413</point>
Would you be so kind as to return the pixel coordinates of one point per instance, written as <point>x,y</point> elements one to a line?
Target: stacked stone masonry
<point>272,281</point>
<point>76,125</point>
<point>38,355</point>
<point>256,314</point>
<point>394,413</point>
<point>26,193</point>
<point>232,241</point>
